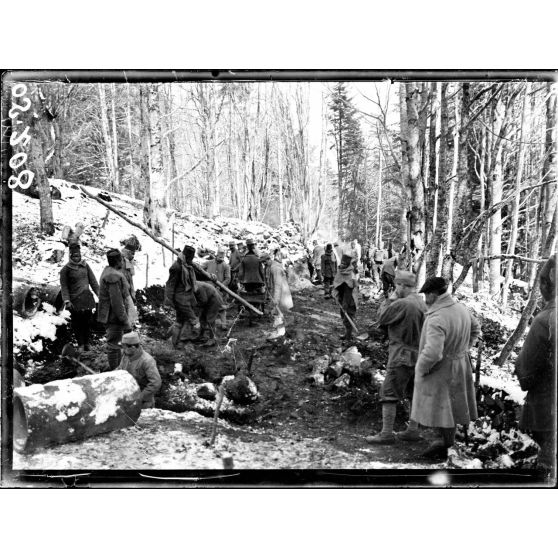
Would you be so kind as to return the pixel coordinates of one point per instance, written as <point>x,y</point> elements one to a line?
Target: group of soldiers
<point>247,273</point>
<point>376,262</point>
<point>429,337</point>
<point>190,290</point>
<point>429,368</point>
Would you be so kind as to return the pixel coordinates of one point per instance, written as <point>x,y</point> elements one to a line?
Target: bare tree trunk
<point>129,122</point>
<point>453,177</point>
<point>155,208</point>
<point>280,181</point>
<point>34,118</point>
<point>416,191</point>
<point>405,171</point>
<point>550,192</point>
<point>378,209</point>
<point>433,160</point>
<point>174,175</point>
<point>114,138</point>
<point>106,137</point>
<point>441,207</point>
<point>496,188</point>
<point>145,135</point>
<point>478,269</point>
<point>516,199</point>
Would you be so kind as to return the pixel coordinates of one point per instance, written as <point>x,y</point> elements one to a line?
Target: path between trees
<point>298,425</point>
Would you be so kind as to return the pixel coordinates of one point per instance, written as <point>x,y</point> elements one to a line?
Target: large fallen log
<point>73,409</point>
<point>173,250</point>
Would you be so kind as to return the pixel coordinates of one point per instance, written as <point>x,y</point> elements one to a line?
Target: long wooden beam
<point>169,247</point>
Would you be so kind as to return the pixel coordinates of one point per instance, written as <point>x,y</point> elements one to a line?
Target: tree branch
<point>168,247</point>
<point>506,257</point>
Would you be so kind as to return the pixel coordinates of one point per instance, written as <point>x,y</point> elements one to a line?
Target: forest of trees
<point>451,172</point>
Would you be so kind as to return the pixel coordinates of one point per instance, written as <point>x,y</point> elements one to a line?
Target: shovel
<point>69,352</point>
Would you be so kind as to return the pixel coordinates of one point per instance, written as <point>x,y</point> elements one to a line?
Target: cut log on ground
<point>27,297</point>
<point>174,251</point>
<point>68,410</point>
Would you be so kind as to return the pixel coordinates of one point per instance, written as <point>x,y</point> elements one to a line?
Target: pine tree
<point>349,145</point>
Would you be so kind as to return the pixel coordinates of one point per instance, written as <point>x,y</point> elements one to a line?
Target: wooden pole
<point>347,316</point>
<point>172,260</point>
<point>146,270</point>
<point>216,414</point>
<point>160,241</point>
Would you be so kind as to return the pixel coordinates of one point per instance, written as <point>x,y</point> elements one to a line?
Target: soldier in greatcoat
<point>444,393</point>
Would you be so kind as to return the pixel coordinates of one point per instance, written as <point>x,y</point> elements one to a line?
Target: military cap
<point>131,338</point>
<point>434,284</point>
<point>405,278</point>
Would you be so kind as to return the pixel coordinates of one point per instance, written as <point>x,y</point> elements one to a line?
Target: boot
<point>436,450</point>
<point>448,435</point>
<point>381,438</point>
<point>348,334</point>
<point>411,434</point>
<point>386,436</point>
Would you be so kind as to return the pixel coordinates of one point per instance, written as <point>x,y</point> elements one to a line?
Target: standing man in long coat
<point>444,393</point>
<point>279,291</point>
<point>251,272</point>
<point>403,315</point>
<point>113,312</point>
<point>317,252</point>
<point>536,370</point>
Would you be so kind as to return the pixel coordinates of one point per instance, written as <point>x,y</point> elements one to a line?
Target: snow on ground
<point>31,251</point>
<point>30,332</point>
<point>484,304</point>
<point>502,378</point>
<point>151,265</point>
<point>167,440</point>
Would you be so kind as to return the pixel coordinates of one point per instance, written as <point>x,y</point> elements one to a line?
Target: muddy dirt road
<point>295,424</point>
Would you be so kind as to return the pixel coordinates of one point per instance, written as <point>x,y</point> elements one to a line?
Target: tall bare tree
<point>155,199</point>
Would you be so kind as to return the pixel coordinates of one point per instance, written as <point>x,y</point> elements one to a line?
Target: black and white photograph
<point>279,278</point>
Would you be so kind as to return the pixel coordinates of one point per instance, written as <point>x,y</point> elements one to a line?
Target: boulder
<point>207,391</point>
<point>240,389</point>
